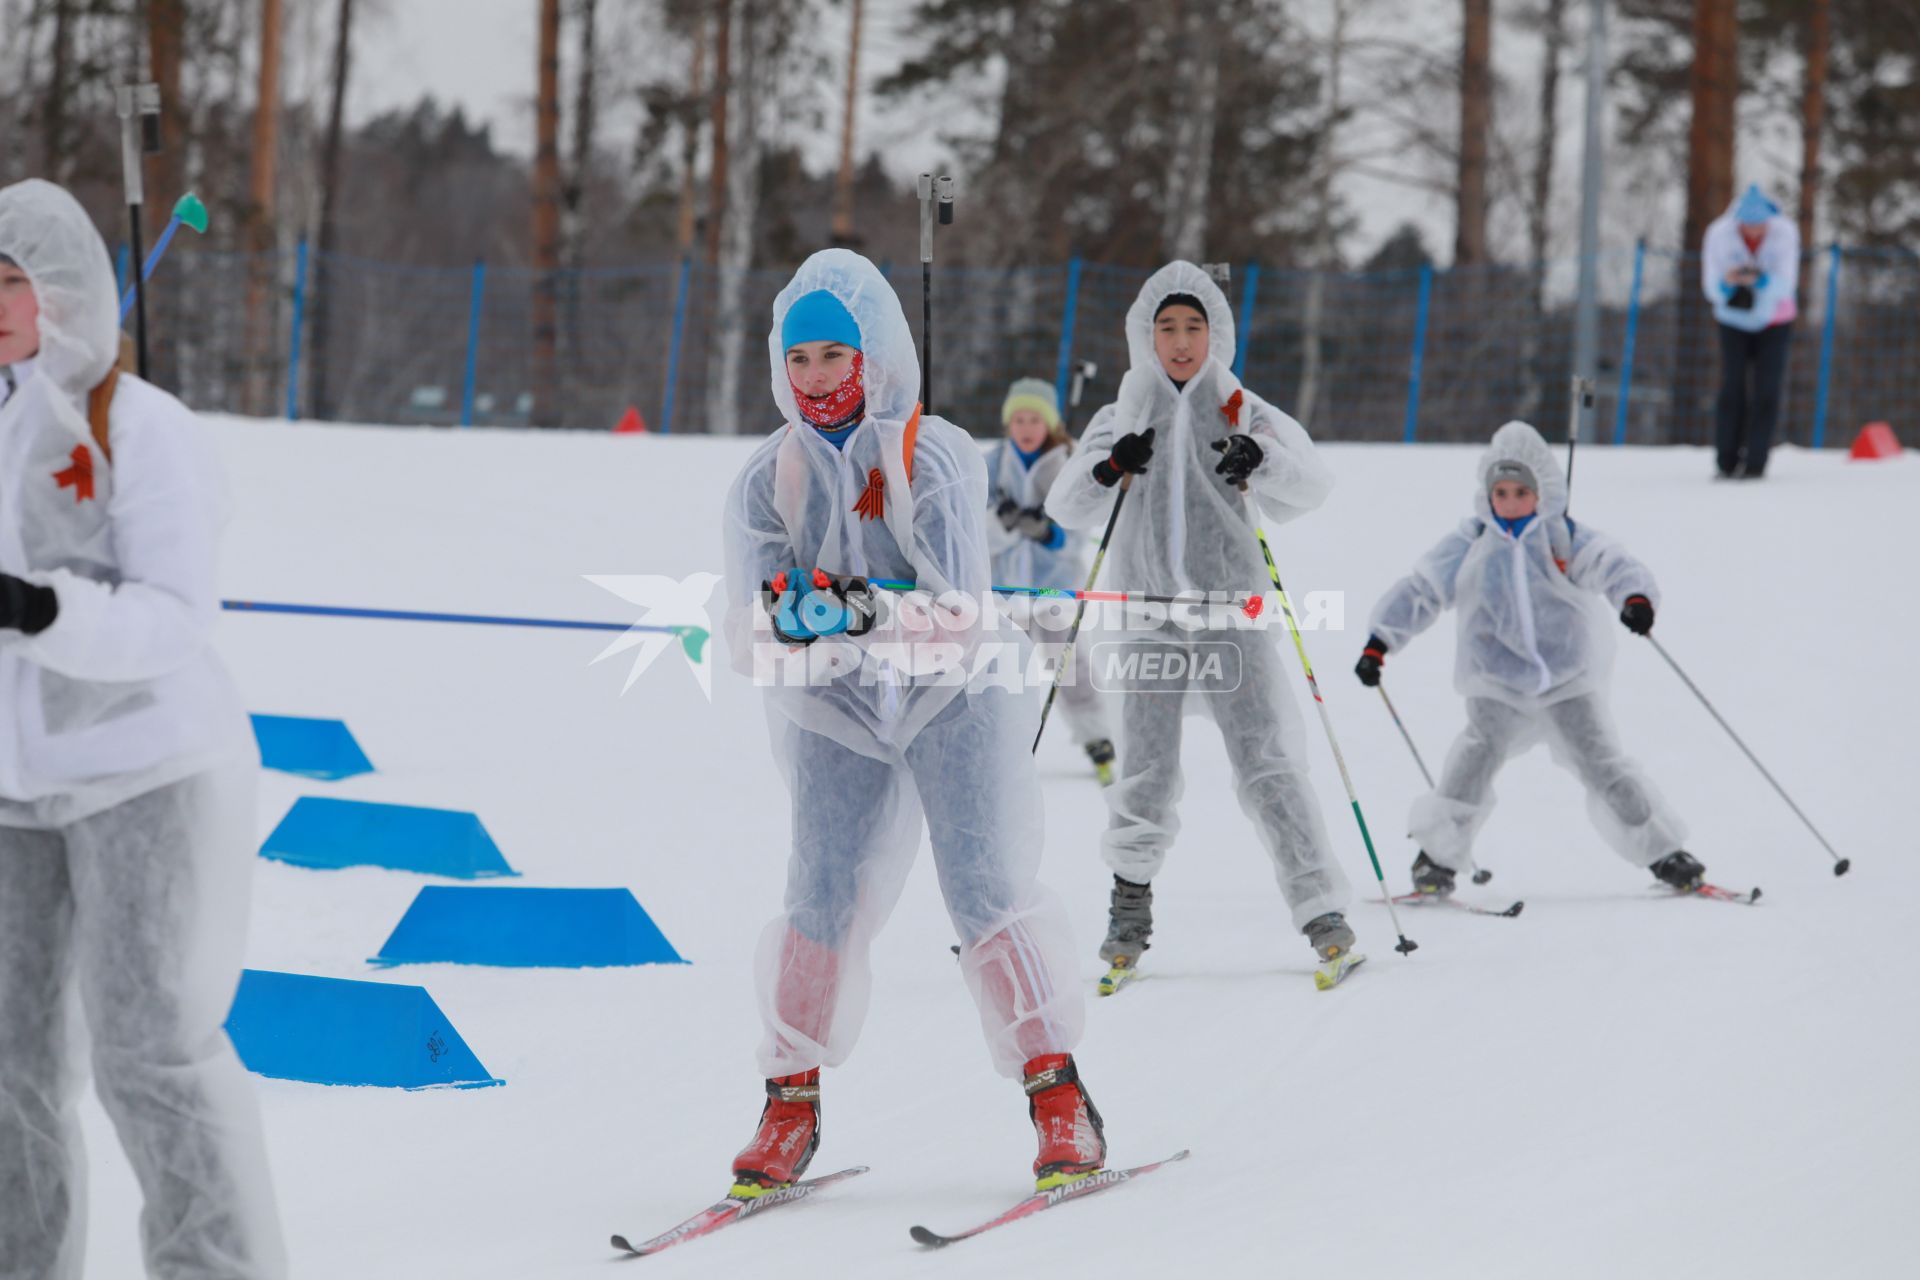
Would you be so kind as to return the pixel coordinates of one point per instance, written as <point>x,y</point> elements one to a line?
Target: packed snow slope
<point>1618,1083</point>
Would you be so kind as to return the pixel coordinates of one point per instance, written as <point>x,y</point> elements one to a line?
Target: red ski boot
<point>788,1136</point>
<point>1073,1142</point>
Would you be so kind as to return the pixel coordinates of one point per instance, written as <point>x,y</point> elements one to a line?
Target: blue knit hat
<point>1754,207</point>
<point>818,317</point>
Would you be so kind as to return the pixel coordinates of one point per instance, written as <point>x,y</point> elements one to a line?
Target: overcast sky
<point>480,54</point>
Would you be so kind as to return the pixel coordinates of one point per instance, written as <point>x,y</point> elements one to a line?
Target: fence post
<point>1626,347</point>
<point>478,297</point>
<point>1063,371</point>
<point>673,346</point>
<point>1826,346</point>
<point>1419,352</point>
<point>1249,291</point>
<point>299,324</point>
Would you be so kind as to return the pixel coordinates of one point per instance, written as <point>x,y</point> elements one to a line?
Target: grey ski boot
<point>1129,925</point>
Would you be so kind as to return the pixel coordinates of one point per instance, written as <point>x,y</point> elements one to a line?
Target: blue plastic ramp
<point>323,749</point>
<point>527,927</point>
<point>294,1026</point>
<point>328,833</point>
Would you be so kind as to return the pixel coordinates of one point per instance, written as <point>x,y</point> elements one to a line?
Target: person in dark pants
<point>1750,271</point>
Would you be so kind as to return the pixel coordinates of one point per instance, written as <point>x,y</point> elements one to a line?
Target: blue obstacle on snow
<point>527,927</point>
<point>323,749</point>
<point>324,832</point>
<point>295,1026</point>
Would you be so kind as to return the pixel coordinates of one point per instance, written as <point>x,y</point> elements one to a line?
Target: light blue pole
<point>1826,346</point>
<point>473,339</point>
<point>121,257</point>
<point>1067,318</point>
<point>673,346</point>
<point>299,323</point>
<point>1248,292</point>
<point>1419,352</point>
<point>1626,349</point>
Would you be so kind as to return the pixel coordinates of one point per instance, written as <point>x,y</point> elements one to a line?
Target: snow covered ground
<point>1616,1084</point>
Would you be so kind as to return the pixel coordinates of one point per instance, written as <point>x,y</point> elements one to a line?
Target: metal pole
<point>1586,331</point>
<point>1419,352</point>
<point>299,323</point>
<point>673,346</point>
<point>1834,256</point>
<point>1249,291</point>
<point>1626,350</point>
<point>476,300</point>
<point>138,106</point>
<point>1068,316</point>
<point>926,291</point>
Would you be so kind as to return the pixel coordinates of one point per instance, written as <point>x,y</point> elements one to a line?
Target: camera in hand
<point>1741,298</point>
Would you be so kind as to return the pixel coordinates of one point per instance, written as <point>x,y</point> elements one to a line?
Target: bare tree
<point>690,144</point>
<point>546,222</point>
<point>260,222</point>
<point>1813,117</point>
<point>1476,111</point>
<point>1326,257</point>
<point>843,182</point>
<point>319,402</point>
<point>722,91</point>
<point>749,27</point>
<point>1714,87</point>
<point>1190,164</point>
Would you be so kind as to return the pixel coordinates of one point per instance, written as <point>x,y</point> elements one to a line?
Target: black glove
<point>1239,455</point>
<point>1637,615</point>
<point>1009,513</point>
<point>1371,659</point>
<point>1035,524</point>
<point>1130,455</point>
<point>26,606</point>
<point>1741,299</point>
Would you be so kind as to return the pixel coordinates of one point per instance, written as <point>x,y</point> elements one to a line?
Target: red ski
<point>1105,1180</point>
<point>733,1209</point>
<point>1715,892</point>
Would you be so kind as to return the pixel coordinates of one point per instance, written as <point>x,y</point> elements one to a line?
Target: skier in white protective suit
<point>1030,549</point>
<point>1531,660</point>
<point>874,723</point>
<point>1203,453</point>
<point>127,774</point>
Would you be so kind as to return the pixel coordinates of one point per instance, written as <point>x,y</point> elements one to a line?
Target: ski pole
<point>1480,876</point>
<point>1080,611</point>
<point>188,212</point>
<point>1406,945</point>
<point>932,190</point>
<point>693,639</point>
<point>138,106</point>
<point>1579,399</point>
<point>1840,865</point>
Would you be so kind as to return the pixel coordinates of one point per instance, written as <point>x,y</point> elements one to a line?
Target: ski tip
<point>1515,909</point>
<point>1482,876</point>
<point>620,1243</point>
<point>1843,866</point>
<point>1755,895</point>
<point>928,1238</point>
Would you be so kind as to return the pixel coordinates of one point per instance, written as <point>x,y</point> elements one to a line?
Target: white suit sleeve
<point>1602,565</point>
<point>167,506</point>
<point>1715,263</point>
<point>757,548</point>
<point>1077,500</point>
<point>1411,604</point>
<point>1290,480</point>
<point>1780,260</point>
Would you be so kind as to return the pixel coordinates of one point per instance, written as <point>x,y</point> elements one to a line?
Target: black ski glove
<point>1009,513</point>
<point>1371,659</point>
<point>855,594</point>
<point>26,606</point>
<point>1637,615</point>
<point>1131,453</point>
<point>1035,524</point>
<point>1239,455</point>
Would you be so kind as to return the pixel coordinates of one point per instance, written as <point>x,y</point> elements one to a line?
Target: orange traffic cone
<point>1875,441</point>
<point>631,423</point>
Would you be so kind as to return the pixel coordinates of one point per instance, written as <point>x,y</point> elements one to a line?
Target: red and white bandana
<point>839,407</point>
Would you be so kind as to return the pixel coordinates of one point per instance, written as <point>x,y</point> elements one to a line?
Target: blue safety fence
<point>1407,354</point>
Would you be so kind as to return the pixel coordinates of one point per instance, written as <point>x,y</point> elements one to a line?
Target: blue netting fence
<point>1414,354</point>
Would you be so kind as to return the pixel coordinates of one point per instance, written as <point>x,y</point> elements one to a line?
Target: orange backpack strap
<point>99,408</point>
<point>908,440</point>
